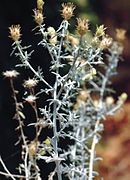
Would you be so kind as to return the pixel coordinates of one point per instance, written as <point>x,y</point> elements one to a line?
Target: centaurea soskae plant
<point>78,100</point>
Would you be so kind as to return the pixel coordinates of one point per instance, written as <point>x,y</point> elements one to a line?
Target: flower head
<point>10,74</point>
<point>30,83</point>
<point>120,34</point>
<point>82,26</point>
<point>38,16</point>
<point>100,31</point>
<point>67,11</point>
<point>15,32</point>
<point>30,99</point>
<point>106,42</point>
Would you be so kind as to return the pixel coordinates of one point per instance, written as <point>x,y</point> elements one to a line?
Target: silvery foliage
<point>83,124</point>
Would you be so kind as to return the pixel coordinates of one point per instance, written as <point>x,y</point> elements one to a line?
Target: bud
<point>40,4</point>
<point>109,100</point>
<point>53,36</point>
<point>82,26</point>
<point>67,11</point>
<point>38,16</point>
<point>100,31</point>
<point>123,96</point>
<point>15,32</point>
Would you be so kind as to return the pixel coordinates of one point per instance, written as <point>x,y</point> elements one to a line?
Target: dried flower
<point>120,34</point>
<point>30,99</point>
<point>38,16</point>
<point>100,31</point>
<point>15,32</point>
<point>67,11</point>
<point>40,4</point>
<point>105,43</point>
<point>32,148</point>
<point>30,83</point>
<point>82,26</point>
<point>10,74</point>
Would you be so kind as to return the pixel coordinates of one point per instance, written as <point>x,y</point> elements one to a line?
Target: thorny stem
<point>21,129</point>
<point>92,151</point>
<point>25,58</point>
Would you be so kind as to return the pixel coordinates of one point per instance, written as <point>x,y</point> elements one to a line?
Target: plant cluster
<point>80,98</point>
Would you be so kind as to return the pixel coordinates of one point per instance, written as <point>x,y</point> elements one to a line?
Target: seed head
<point>82,26</point>
<point>38,16</point>
<point>67,11</point>
<point>30,83</point>
<point>14,31</point>
<point>10,74</point>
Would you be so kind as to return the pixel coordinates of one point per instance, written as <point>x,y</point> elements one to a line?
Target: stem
<point>25,58</point>
<point>13,175</point>
<point>21,129</point>
<point>92,152</point>
<point>5,168</point>
<point>55,97</point>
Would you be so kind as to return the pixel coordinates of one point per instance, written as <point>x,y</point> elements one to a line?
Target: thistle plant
<point>78,101</point>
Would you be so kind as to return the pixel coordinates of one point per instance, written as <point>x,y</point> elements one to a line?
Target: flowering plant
<point>77,102</point>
